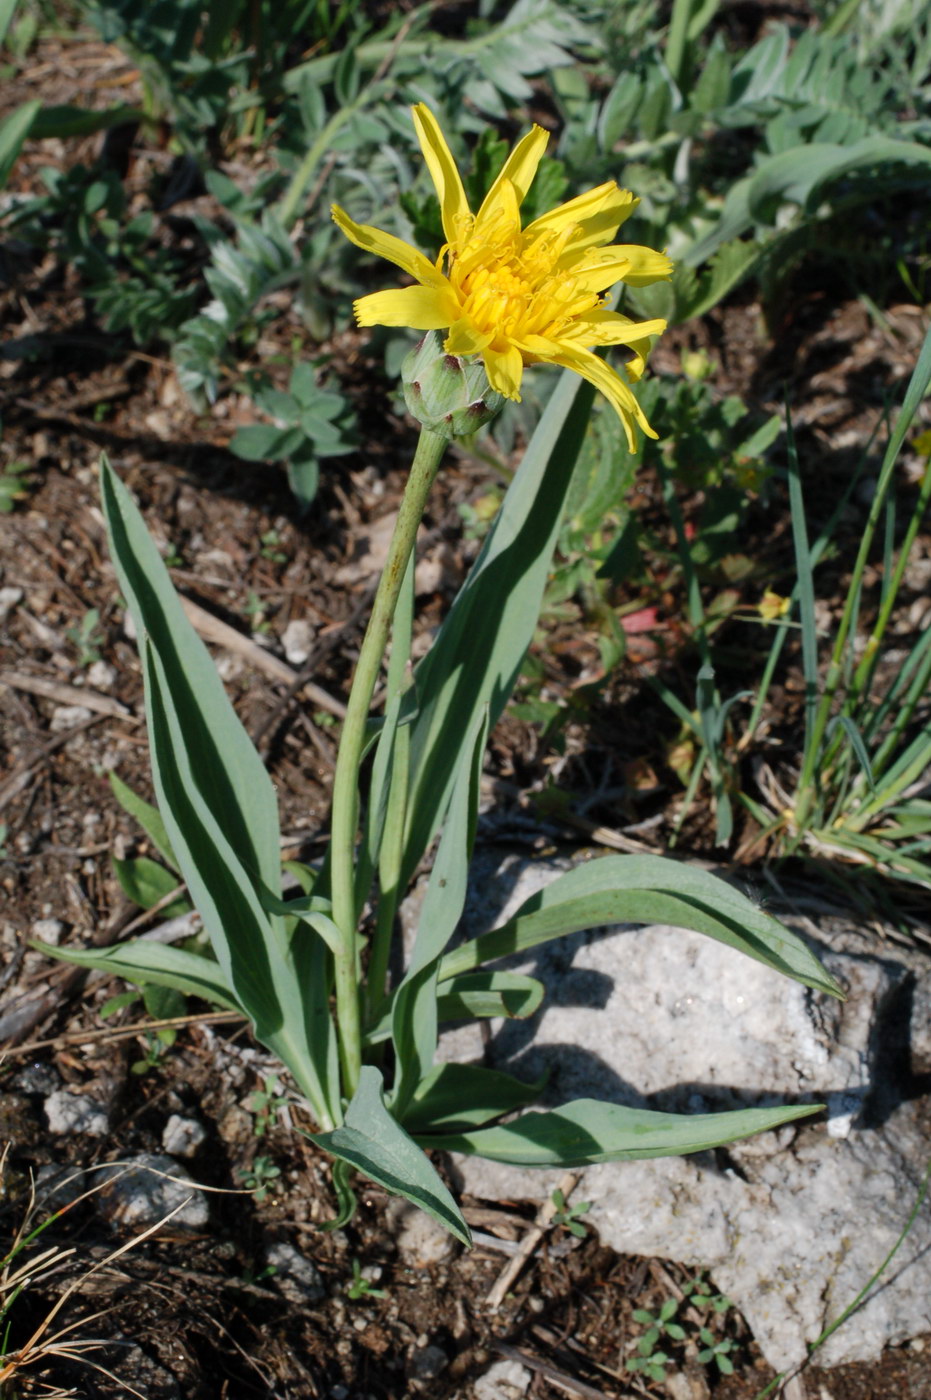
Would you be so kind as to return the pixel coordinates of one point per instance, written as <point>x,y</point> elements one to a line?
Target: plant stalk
<point>427,458</point>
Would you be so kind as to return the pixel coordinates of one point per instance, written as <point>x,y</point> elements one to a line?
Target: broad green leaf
<point>370,1140</point>
<point>13,131</point>
<point>644,890</point>
<point>455,1098</point>
<point>587,1131</point>
<point>145,882</point>
<point>229,774</point>
<point>260,442</point>
<point>478,652</point>
<point>143,961</point>
<point>146,815</point>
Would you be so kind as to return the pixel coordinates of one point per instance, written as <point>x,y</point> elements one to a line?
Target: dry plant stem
<point>429,453</point>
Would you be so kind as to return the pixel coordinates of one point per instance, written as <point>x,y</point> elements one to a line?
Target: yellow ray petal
<point>611,385</point>
<point>519,168</point>
<point>421,308</point>
<point>505,369</point>
<point>385,245</point>
<point>646,265</point>
<point>443,172</point>
<point>635,366</point>
<point>597,268</point>
<point>611,328</point>
<point>595,216</point>
<point>466,339</point>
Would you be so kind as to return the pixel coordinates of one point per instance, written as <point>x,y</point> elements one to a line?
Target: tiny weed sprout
<point>260,1177</point>
<point>361,1287</point>
<point>353,1016</point>
<point>266,1103</point>
<point>568,1215</point>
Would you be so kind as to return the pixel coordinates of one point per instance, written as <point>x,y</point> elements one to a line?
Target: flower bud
<point>448,393</point>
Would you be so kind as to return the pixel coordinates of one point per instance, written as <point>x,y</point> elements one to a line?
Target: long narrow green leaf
<point>143,961</point>
<point>587,1131</point>
<point>414,1015</point>
<point>806,587</point>
<point>476,996</point>
<point>289,1013</point>
<point>228,772</point>
<point>645,889</point>
<point>13,131</point>
<point>476,658</point>
<point>370,1140</point>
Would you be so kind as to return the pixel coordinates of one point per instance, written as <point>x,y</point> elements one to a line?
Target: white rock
<point>75,1113</point>
<point>671,1020</point>
<point>9,598</point>
<point>181,1137</point>
<point>67,716</point>
<point>296,1276</point>
<point>505,1380</point>
<point>420,1239</point>
<point>101,675</point>
<point>147,1188</point>
<point>297,639</point>
<point>49,930</point>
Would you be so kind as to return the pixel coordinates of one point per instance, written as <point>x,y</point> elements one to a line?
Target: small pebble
<point>75,1113</point>
<point>297,639</point>
<point>296,1276</point>
<point>420,1239</point>
<point>49,930</point>
<point>181,1137</point>
<point>427,1363</point>
<point>143,1190</point>
<point>101,675</point>
<point>9,597</point>
<point>505,1380</point>
<point>67,716</point>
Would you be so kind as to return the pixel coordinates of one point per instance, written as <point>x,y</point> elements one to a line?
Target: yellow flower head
<point>517,295</point>
<point>771,606</point>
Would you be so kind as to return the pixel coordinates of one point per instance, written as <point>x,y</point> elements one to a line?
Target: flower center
<point>513,288</point>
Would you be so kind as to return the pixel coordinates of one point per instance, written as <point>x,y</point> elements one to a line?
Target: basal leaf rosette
<point>520,296</point>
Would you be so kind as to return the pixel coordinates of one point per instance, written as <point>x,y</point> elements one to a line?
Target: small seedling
<point>265,1103</point>
<point>259,1177</point>
<point>360,1286</point>
<point>87,637</point>
<point>653,1363</point>
<point>255,608</point>
<point>716,1351</point>
<point>700,1294</point>
<point>568,1215</point>
<point>271,547</point>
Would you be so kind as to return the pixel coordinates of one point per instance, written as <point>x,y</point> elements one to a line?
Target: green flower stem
<point>427,458</point>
